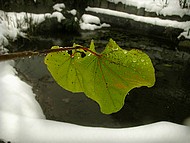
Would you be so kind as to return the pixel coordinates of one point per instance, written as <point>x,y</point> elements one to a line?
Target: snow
<point>86,18</point>
<point>22,21</point>
<point>88,26</point>
<point>185,34</point>
<point>161,7</point>
<point>23,129</point>
<point>59,7</point>
<point>58,15</point>
<point>8,28</point>
<point>73,11</point>
<point>151,20</point>
<point>90,22</point>
<point>22,119</point>
<point>15,95</point>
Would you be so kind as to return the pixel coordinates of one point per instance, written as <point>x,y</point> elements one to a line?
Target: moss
<point>184,45</point>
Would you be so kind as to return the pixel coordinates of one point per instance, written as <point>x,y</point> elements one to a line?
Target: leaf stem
<point>94,53</point>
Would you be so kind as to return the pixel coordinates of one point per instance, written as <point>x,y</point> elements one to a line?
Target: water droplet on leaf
<point>134,60</point>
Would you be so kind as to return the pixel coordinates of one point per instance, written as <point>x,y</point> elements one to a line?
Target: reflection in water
<point>187,121</point>
<point>168,100</point>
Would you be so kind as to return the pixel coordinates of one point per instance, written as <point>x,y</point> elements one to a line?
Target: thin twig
<point>12,56</point>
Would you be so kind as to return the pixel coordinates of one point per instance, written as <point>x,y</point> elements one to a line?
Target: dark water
<point>168,100</point>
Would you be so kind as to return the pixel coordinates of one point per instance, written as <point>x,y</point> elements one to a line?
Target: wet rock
<point>184,45</point>
<point>150,14</point>
<point>48,26</point>
<point>111,6</point>
<point>96,3</point>
<point>104,4</point>
<point>141,12</point>
<point>3,141</point>
<point>130,9</point>
<point>40,6</point>
<point>120,7</point>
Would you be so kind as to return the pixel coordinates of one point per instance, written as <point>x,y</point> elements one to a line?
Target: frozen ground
<point>22,119</point>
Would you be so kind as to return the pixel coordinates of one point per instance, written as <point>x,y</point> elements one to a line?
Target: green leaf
<point>62,67</point>
<point>107,77</point>
<point>112,75</point>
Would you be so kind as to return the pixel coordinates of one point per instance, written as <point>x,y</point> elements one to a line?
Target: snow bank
<point>86,18</point>
<point>22,21</point>
<point>16,96</point>
<point>161,7</point>
<point>185,34</point>
<point>151,20</point>
<point>58,15</point>
<point>73,11</point>
<point>59,7</point>
<point>8,29</point>
<point>22,129</point>
<point>90,22</point>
